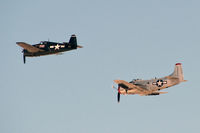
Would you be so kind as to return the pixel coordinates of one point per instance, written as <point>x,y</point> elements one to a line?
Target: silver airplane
<point>152,86</point>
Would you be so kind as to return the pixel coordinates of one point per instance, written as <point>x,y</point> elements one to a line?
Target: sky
<point>72,93</point>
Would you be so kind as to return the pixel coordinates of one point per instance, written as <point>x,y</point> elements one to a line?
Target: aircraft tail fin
<point>178,72</point>
<point>73,41</point>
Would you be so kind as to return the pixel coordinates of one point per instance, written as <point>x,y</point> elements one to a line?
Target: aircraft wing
<point>131,86</point>
<point>29,47</point>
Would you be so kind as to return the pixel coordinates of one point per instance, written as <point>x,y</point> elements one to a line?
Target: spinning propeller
<point>24,57</point>
<point>118,94</point>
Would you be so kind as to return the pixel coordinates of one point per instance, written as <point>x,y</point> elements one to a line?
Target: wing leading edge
<point>29,47</point>
<point>130,86</point>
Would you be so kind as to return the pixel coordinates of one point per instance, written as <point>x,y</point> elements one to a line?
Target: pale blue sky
<point>71,93</point>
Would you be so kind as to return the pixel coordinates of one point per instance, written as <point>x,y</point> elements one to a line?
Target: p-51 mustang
<point>150,87</point>
<point>47,48</point>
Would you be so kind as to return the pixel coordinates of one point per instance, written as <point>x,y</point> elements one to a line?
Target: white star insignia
<point>57,47</point>
<point>159,83</point>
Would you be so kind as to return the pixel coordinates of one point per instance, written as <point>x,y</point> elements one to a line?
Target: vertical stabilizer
<point>178,72</point>
<point>73,41</point>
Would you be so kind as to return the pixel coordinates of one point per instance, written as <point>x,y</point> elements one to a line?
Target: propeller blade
<point>114,87</point>
<point>24,59</point>
<point>118,94</point>
<point>118,97</point>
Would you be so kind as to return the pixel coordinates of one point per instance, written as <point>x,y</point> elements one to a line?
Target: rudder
<point>178,72</point>
<point>73,41</point>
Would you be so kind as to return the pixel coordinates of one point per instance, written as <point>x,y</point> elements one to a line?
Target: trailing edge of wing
<point>29,47</point>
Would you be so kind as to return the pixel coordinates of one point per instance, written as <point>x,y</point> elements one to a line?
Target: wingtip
<point>18,43</point>
<point>116,81</point>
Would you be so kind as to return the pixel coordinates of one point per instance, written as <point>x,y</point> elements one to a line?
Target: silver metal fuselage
<point>150,85</point>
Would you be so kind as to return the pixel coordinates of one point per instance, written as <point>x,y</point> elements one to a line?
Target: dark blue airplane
<point>47,48</point>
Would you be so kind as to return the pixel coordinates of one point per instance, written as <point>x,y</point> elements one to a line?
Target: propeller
<point>24,57</point>
<point>114,87</point>
<point>118,97</point>
<point>118,94</point>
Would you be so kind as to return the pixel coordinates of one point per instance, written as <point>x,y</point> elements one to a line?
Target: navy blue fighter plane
<point>47,48</point>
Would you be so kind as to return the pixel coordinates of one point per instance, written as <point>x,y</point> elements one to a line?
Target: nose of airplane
<point>118,89</point>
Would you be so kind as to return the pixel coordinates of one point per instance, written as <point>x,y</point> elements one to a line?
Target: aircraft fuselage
<point>150,85</point>
<point>49,48</point>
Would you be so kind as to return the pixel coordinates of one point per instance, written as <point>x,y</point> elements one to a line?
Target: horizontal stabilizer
<point>78,46</point>
<point>170,77</point>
